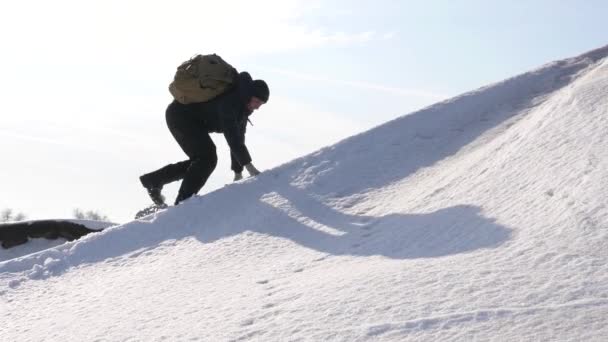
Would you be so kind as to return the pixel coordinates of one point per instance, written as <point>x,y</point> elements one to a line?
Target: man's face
<point>254,103</point>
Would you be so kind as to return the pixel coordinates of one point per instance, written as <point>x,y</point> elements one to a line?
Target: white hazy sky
<point>84,83</point>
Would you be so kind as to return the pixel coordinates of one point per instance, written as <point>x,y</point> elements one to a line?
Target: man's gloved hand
<point>252,170</point>
<point>238,176</point>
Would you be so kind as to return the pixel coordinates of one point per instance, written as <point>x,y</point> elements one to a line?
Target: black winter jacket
<point>227,114</point>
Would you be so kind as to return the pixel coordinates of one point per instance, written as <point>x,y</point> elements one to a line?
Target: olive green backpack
<point>202,78</point>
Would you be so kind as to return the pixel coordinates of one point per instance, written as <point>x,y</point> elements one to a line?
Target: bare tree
<point>8,215</point>
<point>89,215</point>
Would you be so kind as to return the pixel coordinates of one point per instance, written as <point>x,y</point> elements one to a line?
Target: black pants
<point>195,141</point>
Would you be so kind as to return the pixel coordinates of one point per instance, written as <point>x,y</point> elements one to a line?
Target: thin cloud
<point>165,30</point>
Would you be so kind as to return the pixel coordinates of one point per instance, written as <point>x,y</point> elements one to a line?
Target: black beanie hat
<point>259,89</point>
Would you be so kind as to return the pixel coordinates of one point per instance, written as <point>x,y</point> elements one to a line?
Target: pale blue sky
<point>84,82</point>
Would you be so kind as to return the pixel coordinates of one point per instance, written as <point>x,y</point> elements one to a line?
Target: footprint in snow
<point>323,258</point>
<point>247,322</point>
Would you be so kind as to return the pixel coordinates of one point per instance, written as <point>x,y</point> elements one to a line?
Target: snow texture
<point>480,218</point>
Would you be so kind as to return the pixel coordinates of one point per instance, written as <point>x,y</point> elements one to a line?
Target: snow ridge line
<point>479,316</point>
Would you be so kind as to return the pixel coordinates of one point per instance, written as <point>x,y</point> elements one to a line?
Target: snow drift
<point>481,217</point>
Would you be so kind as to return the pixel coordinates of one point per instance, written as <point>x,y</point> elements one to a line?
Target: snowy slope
<point>483,217</point>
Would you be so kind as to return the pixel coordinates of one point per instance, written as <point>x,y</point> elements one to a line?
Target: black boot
<point>154,190</point>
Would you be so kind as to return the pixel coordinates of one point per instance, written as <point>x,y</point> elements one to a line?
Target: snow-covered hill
<point>483,217</point>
